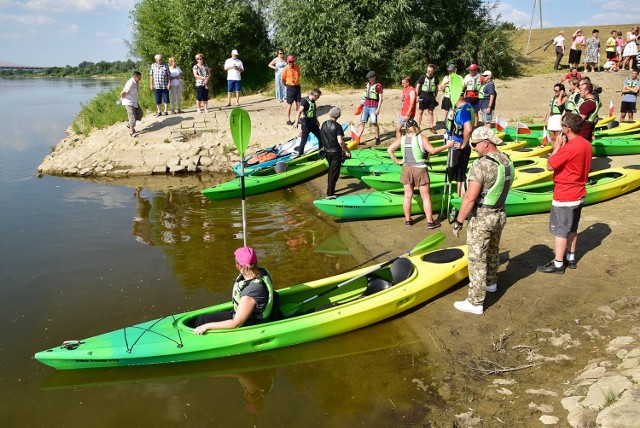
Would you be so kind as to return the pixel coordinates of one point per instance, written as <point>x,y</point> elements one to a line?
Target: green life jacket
<point>554,108</point>
<point>452,127</point>
<point>429,85</point>
<point>496,195</point>
<point>240,285</point>
<point>593,117</point>
<point>311,113</point>
<point>416,156</point>
<point>370,91</point>
<point>571,105</point>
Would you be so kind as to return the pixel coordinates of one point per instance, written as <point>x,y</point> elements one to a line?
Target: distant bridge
<point>5,65</point>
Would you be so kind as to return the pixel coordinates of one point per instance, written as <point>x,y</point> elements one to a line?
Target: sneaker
<point>550,267</point>
<point>331,197</point>
<point>408,223</point>
<point>467,306</point>
<point>492,288</point>
<point>158,114</point>
<point>378,141</point>
<point>165,113</point>
<point>173,112</point>
<point>433,224</point>
<point>289,123</point>
<point>228,105</point>
<point>571,264</point>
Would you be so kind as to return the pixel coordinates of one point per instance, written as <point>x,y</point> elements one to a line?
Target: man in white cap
<point>233,66</point>
<point>489,181</point>
<point>446,90</point>
<point>487,96</point>
<point>471,84</point>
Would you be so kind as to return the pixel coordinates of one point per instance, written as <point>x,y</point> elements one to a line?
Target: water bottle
<point>119,101</point>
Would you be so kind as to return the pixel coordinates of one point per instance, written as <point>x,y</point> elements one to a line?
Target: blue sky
<point>67,32</point>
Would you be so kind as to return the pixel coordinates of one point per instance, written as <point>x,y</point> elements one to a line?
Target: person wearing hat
<point>233,66</point>
<point>291,79</point>
<point>333,147</point>
<point>487,96</point>
<point>446,90</point>
<point>427,89</point>
<point>471,84</point>
<point>570,161</point>
<point>489,181</point>
<point>372,101</point>
<point>253,296</point>
<point>415,149</point>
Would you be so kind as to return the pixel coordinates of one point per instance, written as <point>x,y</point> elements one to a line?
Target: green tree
<point>183,28</point>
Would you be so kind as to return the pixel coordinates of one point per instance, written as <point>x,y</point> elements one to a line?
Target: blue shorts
<point>369,112</point>
<point>233,85</point>
<point>486,118</point>
<point>161,95</point>
<point>474,103</point>
<point>401,122</point>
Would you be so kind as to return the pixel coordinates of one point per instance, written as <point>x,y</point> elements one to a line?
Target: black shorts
<point>293,94</point>
<point>611,55</point>
<point>459,163</point>
<point>627,107</point>
<point>202,94</point>
<point>427,102</point>
<point>446,103</point>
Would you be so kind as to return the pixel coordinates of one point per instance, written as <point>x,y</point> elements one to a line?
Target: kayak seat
<point>400,269</point>
<point>444,256</point>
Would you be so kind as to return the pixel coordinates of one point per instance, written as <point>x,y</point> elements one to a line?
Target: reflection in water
<point>141,222</point>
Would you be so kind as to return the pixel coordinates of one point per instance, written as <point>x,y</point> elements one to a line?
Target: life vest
<point>415,156</point>
<point>371,91</point>
<point>630,83</point>
<point>482,95</point>
<point>311,112</point>
<point>446,93</point>
<point>428,86</point>
<point>496,195</point>
<point>593,117</point>
<point>573,100</point>
<point>554,108</point>
<point>240,285</point>
<point>452,126</point>
<point>472,87</point>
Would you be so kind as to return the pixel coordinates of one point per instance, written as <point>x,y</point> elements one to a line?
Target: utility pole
<point>533,13</point>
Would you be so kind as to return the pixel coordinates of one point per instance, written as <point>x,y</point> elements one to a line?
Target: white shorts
<point>555,122</point>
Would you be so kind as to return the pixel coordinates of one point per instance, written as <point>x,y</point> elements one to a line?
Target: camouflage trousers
<point>483,239</point>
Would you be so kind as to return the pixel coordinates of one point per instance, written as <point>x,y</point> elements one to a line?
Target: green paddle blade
<point>455,86</point>
<point>429,243</point>
<point>240,124</point>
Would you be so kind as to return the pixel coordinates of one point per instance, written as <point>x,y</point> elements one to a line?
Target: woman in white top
<point>278,64</point>
<point>631,48</point>
<point>175,93</point>
<point>558,42</point>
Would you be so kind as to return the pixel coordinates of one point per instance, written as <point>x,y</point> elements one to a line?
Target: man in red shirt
<point>408,110</point>
<point>573,73</point>
<point>570,162</point>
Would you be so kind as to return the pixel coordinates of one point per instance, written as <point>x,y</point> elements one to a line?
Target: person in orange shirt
<point>291,80</point>
<point>408,110</point>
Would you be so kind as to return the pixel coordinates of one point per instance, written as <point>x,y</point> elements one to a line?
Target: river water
<point>82,257</point>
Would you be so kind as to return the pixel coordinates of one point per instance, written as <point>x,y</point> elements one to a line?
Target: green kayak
<point>602,185</point>
<point>374,294</point>
<point>617,146</point>
<point>528,171</point>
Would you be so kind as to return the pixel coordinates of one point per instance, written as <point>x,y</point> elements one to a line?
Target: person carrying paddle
<point>253,296</point>
<point>570,162</point>
<point>307,117</point>
<point>459,125</point>
<point>489,182</point>
<point>415,158</point>
<point>333,147</point>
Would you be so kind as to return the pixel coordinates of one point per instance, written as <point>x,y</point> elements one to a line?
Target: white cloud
<point>26,19</point>
<point>511,14</point>
<point>79,5</point>
<point>70,30</point>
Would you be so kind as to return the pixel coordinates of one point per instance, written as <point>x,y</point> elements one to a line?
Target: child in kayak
<point>253,297</point>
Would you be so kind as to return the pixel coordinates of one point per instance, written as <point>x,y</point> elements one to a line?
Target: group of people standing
<point>618,50</point>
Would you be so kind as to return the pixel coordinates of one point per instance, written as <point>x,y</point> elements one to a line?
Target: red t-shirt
<point>586,109</point>
<point>571,165</point>
<point>569,76</point>
<point>406,102</point>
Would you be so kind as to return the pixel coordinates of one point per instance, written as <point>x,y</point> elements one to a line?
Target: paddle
<point>426,244</point>
<point>240,124</point>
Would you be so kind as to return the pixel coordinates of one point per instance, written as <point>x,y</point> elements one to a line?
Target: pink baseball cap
<point>473,67</point>
<point>246,256</point>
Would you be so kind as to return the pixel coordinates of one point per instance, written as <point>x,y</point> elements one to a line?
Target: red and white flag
<point>501,124</point>
<point>354,134</point>
<point>545,136</point>
<point>611,109</point>
<point>522,128</point>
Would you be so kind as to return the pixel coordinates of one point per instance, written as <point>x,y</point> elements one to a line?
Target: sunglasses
<point>473,145</point>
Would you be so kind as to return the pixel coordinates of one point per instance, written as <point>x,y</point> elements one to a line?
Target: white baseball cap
<point>487,73</point>
<point>234,52</point>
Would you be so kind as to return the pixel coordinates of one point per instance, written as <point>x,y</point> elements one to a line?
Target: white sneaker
<point>467,306</point>
<point>492,288</point>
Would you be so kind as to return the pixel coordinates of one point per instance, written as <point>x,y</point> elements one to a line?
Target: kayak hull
<point>170,339</point>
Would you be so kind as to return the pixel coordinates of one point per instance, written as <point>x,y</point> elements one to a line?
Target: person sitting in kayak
<point>253,297</point>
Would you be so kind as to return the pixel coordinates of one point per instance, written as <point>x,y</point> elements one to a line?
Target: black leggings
<point>306,130</point>
<point>335,162</point>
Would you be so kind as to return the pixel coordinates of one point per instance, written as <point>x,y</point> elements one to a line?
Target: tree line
<point>84,69</point>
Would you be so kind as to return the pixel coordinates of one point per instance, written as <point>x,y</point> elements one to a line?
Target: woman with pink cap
<point>253,297</point>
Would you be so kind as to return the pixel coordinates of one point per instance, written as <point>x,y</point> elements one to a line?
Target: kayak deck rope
<point>150,330</point>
